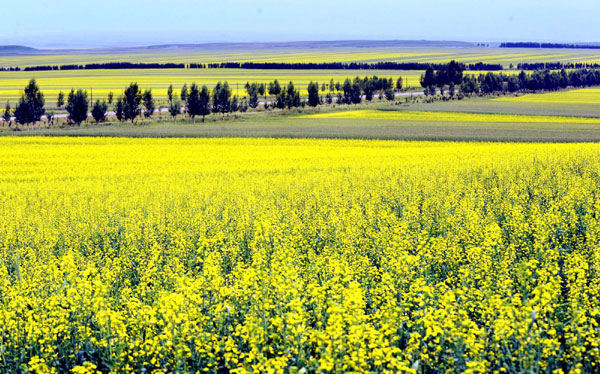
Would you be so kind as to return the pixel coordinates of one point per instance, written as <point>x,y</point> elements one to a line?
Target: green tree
<point>77,106</point>
<point>252,90</point>
<point>170,93</point>
<point>7,113</point>
<point>193,102</point>
<point>389,94</point>
<point>175,108</point>
<point>292,96</point>
<point>99,111</point>
<point>428,80</point>
<point>313,94</point>
<point>369,88</point>
<point>204,102</point>
<point>148,101</point>
<point>110,97</point>
<point>131,102</point>
<point>356,97</point>
<point>60,100</point>
<point>221,98</point>
<point>399,84</point>
<point>120,109</point>
<point>30,108</point>
<point>274,88</point>
<point>184,93</point>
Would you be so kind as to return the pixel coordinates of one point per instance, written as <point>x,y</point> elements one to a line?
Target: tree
<point>175,108</point>
<point>31,105</point>
<point>7,113</point>
<point>399,84</point>
<point>170,93</point>
<point>204,102</point>
<point>60,101</point>
<point>110,97</point>
<point>331,85</point>
<point>292,96</point>
<point>221,98</point>
<point>428,80</point>
<point>389,94</point>
<point>77,106</point>
<point>356,97</point>
<point>313,94</point>
<point>193,102</point>
<point>131,102</point>
<point>120,109</point>
<point>261,89</point>
<point>469,85</point>
<point>49,117</point>
<point>274,88</point>
<point>184,93</point>
<point>252,90</point>
<point>233,104</point>
<point>148,102</point>
<point>347,88</point>
<point>369,88</point>
<point>99,111</point>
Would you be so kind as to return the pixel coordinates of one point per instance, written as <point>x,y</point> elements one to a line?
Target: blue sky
<point>87,23</point>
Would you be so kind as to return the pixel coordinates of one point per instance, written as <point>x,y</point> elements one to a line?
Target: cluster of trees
<point>538,80</point>
<point>200,102</point>
<point>387,65</point>
<point>556,66</point>
<point>107,65</point>
<point>449,75</point>
<point>548,45</point>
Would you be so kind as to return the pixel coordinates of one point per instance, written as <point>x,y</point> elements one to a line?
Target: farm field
<point>268,255</point>
<point>101,82</point>
<point>472,119</point>
<point>581,96</point>
<point>504,56</point>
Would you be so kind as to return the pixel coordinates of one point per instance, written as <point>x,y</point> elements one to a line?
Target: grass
<point>284,126</point>
<point>422,116</point>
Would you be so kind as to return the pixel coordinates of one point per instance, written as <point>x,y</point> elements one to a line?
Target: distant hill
<point>11,50</point>
<point>317,44</point>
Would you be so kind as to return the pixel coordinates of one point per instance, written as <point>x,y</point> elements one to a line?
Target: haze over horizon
<point>124,23</point>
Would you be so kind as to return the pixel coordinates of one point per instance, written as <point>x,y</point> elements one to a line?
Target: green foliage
<point>149,105</point>
<point>77,106</point>
<point>31,104</point>
<point>99,111</point>
<point>132,100</point>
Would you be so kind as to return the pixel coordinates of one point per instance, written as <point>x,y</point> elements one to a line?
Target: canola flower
<point>311,256</point>
<point>580,96</point>
<point>409,115</point>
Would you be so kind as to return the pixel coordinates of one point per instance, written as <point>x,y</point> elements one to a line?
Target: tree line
<point>548,45</point>
<point>556,65</point>
<point>489,83</point>
<point>256,65</point>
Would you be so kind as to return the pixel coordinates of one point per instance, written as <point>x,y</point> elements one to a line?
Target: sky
<point>115,23</point>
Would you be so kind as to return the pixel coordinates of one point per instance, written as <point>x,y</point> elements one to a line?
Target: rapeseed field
<point>310,256</point>
<point>410,115</point>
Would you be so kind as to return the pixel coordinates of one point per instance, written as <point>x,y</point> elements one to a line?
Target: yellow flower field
<point>312,256</point>
<point>409,115</point>
<point>101,82</point>
<point>581,96</point>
